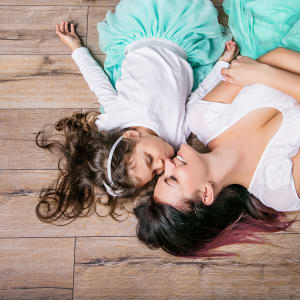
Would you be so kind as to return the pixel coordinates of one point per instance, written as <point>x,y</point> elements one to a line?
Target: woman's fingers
<point>225,71</point>
<point>226,75</point>
<point>244,58</point>
<point>228,79</point>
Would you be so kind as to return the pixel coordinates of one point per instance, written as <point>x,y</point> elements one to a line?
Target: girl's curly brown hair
<point>83,154</point>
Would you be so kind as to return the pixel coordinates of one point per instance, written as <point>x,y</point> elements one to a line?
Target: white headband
<point>111,153</point>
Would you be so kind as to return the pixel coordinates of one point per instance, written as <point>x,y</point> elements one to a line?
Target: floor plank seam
<point>87,26</point>
<point>75,240</point>
<point>37,5</point>
<point>66,237</point>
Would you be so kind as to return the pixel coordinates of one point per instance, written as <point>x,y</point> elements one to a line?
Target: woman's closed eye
<point>171,180</point>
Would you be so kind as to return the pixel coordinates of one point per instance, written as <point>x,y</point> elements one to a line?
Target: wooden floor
<point>93,258</point>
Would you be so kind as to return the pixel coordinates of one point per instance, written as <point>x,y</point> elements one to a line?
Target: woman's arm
<point>282,58</point>
<point>279,69</point>
<point>93,74</point>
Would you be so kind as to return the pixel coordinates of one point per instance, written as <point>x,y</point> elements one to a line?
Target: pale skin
<point>233,156</point>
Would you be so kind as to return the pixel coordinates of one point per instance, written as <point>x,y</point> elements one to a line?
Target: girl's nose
<point>159,166</point>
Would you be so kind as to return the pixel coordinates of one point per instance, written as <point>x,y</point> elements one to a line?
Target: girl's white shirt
<point>272,181</point>
<point>152,91</point>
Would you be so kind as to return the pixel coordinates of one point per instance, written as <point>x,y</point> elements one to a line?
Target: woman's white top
<point>272,181</point>
<point>152,91</point>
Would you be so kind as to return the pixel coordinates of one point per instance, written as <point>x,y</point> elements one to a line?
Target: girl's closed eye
<point>150,158</point>
<point>149,161</point>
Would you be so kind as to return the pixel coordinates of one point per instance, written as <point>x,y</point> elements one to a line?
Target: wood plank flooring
<point>94,258</point>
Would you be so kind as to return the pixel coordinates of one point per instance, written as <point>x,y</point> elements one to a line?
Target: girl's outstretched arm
<point>279,69</point>
<point>93,74</point>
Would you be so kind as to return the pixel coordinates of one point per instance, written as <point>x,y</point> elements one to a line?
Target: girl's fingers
<point>62,27</point>
<point>57,30</point>
<point>72,28</point>
<point>66,27</point>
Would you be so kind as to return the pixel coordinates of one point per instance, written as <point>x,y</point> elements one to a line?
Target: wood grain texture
<point>18,219</point>
<point>36,81</point>
<point>31,268</point>
<point>18,154</point>
<point>25,182</point>
<point>62,3</point>
<point>31,29</point>
<point>74,2</point>
<point>96,15</point>
<point>39,83</point>
<point>131,271</point>
<point>24,124</point>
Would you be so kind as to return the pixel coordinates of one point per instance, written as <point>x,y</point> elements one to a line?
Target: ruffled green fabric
<point>191,24</point>
<point>260,26</point>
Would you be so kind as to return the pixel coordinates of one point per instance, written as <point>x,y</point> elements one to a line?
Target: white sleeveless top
<point>272,182</point>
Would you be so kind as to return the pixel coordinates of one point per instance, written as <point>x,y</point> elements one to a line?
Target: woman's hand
<point>245,71</point>
<point>68,37</point>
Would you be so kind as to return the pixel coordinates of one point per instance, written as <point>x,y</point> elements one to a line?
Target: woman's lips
<point>180,158</point>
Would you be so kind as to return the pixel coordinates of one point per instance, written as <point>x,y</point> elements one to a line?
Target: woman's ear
<point>208,195</point>
<point>132,134</point>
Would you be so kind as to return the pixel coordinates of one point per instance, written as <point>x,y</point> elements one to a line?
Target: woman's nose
<point>169,166</point>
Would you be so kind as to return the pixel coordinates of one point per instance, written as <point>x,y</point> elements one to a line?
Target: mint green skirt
<point>260,26</point>
<point>191,24</point>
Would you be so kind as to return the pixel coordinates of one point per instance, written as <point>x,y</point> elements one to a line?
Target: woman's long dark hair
<point>83,152</point>
<point>234,217</point>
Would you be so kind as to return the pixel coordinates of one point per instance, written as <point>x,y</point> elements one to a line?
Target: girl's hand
<point>245,71</point>
<point>230,52</point>
<point>68,37</point>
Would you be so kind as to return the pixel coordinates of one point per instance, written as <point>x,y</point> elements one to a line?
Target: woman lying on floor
<point>251,173</point>
<point>248,177</point>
